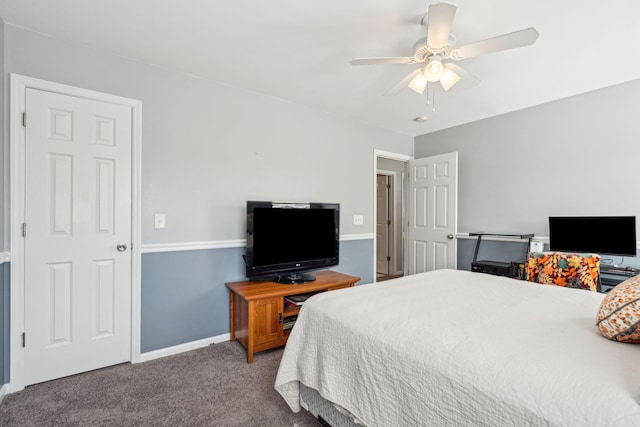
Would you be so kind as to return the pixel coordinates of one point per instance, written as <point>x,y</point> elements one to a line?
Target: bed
<point>455,348</point>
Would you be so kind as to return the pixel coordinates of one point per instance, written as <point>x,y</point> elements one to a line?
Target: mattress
<point>462,349</point>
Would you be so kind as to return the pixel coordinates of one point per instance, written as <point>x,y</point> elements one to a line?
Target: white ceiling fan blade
<point>390,60</point>
<point>467,79</point>
<point>506,41</point>
<point>439,21</point>
<point>402,83</point>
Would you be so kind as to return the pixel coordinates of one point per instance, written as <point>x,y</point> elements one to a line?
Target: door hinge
<point>24,229</point>
<point>388,222</point>
<point>388,185</point>
<point>24,339</point>
<point>388,258</point>
<point>24,119</point>
<point>280,318</point>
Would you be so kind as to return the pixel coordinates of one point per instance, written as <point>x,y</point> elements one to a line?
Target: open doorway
<point>390,217</point>
<point>384,230</point>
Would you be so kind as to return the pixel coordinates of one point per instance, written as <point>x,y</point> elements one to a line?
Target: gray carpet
<point>212,386</point>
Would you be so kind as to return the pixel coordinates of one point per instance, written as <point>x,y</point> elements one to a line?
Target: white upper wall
<point>575,156</point>
<point>207,147</point>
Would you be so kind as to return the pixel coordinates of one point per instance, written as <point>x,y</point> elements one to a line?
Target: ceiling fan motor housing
<point>422,51</point>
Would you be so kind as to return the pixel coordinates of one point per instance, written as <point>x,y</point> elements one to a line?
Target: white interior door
<point>383,224</point>
<point>78,211</point>
<point>433,204</point>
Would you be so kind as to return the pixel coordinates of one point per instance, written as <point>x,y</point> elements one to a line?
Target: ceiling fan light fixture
<point>434,69</point>
<point>418,83</point>
<point>449,78</point>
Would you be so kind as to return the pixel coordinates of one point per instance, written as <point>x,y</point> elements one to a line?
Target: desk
<point>497,268</point>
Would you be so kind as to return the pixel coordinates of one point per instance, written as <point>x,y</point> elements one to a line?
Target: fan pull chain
<point>431,97</point>
<point>433,100</point>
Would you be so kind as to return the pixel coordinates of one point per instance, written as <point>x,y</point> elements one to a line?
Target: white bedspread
<point>459,348</point>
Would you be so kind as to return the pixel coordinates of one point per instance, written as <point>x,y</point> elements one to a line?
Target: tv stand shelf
<point>257,313</point>
<point>619,271</point>
<point>611,276</point>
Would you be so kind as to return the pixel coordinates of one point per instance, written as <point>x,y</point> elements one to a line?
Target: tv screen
<point>608,235</point>
<point>284,240</point>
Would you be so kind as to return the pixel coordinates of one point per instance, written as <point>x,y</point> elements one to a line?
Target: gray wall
<point>4,323</point>
<point>575,156</point>
<point>185,297</point>
<point>207,148</point>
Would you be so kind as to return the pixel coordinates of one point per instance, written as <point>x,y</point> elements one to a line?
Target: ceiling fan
<point>436,53</point>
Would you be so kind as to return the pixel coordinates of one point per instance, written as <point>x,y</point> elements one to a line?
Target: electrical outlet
<point>537,246</point>
<point>358,219</point>
<point>160,220</point>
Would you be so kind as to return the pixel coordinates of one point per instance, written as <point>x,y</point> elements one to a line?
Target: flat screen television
<point>287,240</point>
<point>607,235</point>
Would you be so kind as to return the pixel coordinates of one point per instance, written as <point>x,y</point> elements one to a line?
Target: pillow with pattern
<point>570,270</point>
<point>619,314</point>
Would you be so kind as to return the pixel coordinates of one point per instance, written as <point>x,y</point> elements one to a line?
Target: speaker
<point>497,268</point>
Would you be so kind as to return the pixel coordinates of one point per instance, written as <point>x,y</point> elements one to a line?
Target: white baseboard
<point>3,392</point>
<point>181,348</point>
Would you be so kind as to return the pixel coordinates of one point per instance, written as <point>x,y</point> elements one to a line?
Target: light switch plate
<point>358,219</point>
<point>160,221</point>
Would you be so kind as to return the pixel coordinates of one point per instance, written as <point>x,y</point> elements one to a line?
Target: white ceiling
<point>299,50</point>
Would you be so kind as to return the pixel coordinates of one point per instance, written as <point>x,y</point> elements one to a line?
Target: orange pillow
<point>619,314</point>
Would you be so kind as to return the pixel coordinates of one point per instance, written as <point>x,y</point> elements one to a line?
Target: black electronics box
<point>497,268</point>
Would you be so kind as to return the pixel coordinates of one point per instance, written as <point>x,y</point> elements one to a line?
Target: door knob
<point>121,247</point>
<point>450,236</point>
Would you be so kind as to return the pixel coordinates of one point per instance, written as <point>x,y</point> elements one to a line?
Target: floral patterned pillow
<point>619,314</point>
<point>569,270</point>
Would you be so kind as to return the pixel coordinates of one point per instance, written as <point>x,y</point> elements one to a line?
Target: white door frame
<point>392,156</point>
<point>19,84</point>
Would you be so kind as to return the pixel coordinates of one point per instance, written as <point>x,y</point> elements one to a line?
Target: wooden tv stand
<point>257,312</point>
